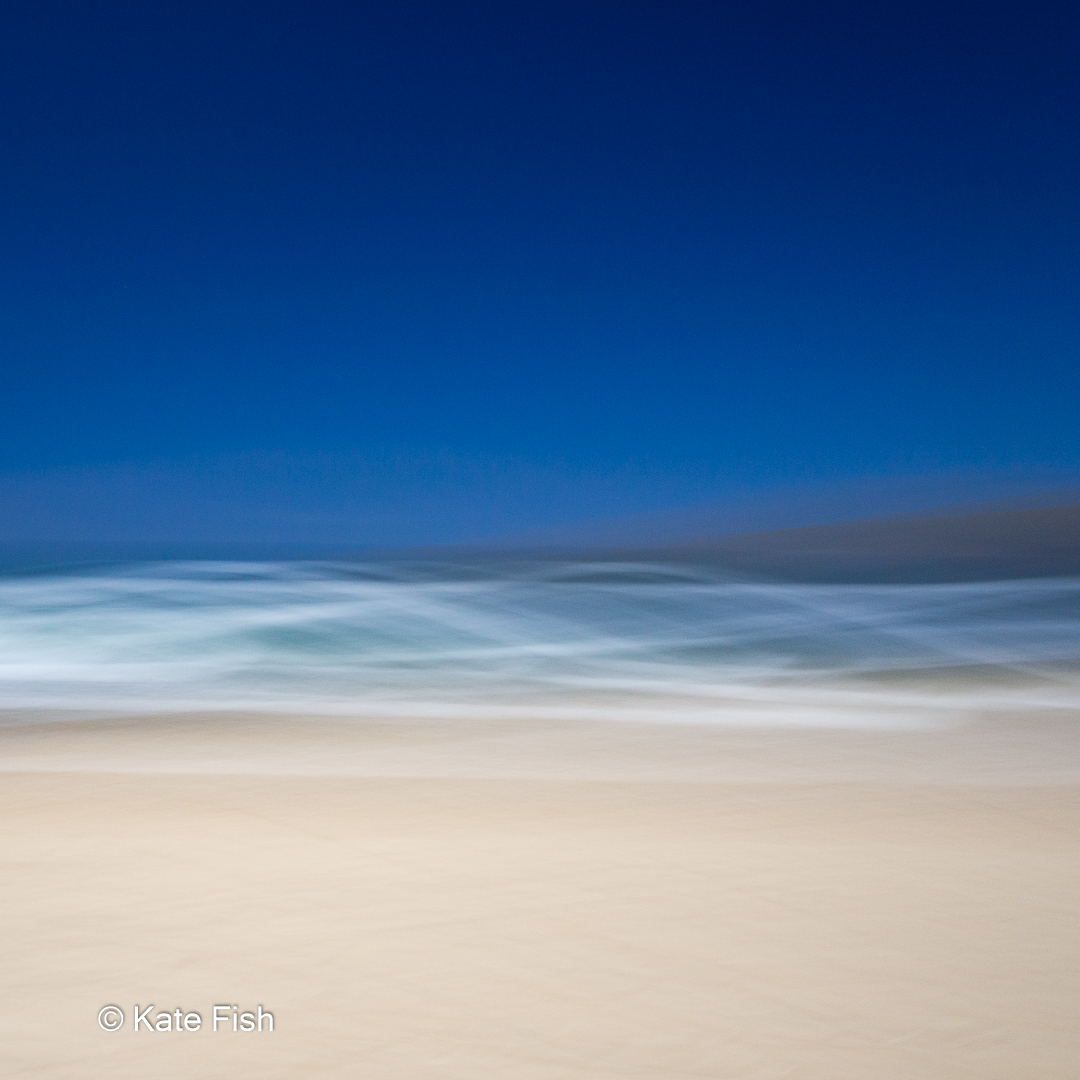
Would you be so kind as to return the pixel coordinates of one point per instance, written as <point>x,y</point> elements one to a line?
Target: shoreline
<point>1026,747</point>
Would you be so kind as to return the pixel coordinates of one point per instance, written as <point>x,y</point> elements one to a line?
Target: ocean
<point>528,637</point>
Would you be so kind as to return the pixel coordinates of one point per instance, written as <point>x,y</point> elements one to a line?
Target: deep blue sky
<point>431,271</point>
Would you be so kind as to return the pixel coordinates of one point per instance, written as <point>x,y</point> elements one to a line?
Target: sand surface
<point>543,900</point>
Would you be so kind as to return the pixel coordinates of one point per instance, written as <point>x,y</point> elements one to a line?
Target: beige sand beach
<point>422,900</point>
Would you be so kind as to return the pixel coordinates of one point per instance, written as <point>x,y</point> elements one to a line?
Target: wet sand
<point>542,900</point>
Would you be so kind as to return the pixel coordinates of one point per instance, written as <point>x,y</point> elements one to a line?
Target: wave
<point>649,640</point>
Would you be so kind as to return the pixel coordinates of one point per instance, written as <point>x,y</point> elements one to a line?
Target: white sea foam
<point>558,639</point>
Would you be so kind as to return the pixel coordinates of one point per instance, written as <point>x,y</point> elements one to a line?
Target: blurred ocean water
<point>649,641</point>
